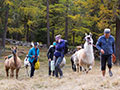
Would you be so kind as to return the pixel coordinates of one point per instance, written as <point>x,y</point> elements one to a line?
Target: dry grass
<point>71,80</point>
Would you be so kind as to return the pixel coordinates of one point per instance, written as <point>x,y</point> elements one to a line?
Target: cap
<point>107,30</point>
<point>58,37</point>
<point>35,43</point>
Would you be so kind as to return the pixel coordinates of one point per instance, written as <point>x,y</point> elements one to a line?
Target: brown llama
<point>13,63</point>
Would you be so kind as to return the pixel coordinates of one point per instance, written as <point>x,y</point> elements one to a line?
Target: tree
<point>5,27</point>
<point>118,34</point>
<point>66,21</point>
<point>48,33</point>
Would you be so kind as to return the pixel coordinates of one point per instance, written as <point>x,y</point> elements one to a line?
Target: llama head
<point>88,38</point>
<point>14,50</point>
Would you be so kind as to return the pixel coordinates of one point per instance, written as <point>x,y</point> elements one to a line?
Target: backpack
<point>66,47</point>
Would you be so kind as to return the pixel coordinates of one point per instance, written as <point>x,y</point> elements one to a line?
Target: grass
<point>70,81</point>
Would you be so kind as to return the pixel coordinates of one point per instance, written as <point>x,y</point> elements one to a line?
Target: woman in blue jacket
<point>33,57</point>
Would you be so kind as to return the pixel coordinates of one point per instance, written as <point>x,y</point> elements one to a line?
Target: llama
<point>85,57</point>
<point>27,65</point>
<point>13,63</point>
<point>73,58</point>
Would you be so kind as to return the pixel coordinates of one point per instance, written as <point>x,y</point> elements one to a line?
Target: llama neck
<point>15,59</point>
<point>88,48</point>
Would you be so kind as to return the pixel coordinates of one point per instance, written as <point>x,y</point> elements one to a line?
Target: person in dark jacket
<point>50,55</point>
<point>33,56</point>
<point>106,46</point>
<point>59,55</point>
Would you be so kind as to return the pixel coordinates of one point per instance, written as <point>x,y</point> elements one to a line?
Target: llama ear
<point>16,47</point>
<point>85,34</point>
<point>12,48</point>
<point>90,34</point>
<point>38,43</point>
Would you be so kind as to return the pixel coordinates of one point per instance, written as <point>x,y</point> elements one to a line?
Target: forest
<point>41,20</point>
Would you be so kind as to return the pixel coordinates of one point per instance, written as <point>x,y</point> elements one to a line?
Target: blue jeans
<point>57,66</point>
<point>32,68</point>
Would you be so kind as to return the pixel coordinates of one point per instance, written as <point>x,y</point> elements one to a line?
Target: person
<point>59,55</point>
<point>33,56</point>
<point>106,46</point>
<point>50,55</point>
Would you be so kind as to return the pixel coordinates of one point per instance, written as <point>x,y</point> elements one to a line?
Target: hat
<point>54,43</point>
<point>35,43</point>
<point>107,30</point>
<point>58,37</point>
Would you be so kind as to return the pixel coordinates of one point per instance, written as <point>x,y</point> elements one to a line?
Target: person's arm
<point>98,44</point>
<point>48,53</point>
<point>30,53</point>
<point>62,54</point>
<point>38,53</point>
<point>113,46</point>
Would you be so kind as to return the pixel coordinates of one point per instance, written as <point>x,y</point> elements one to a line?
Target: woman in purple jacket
<point>59,54</point>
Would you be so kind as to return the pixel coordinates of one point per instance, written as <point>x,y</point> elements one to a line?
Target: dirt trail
<point>70,81</point>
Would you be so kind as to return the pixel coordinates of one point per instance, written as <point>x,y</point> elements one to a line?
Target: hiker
<point>59,55</point>
<point>106,46</point>
<point>50,55</point>
<point>33,57</point>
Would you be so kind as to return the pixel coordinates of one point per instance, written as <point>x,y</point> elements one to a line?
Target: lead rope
<point>94,45</point>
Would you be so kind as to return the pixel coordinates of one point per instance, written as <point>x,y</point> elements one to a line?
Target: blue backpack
<point>66,47</point>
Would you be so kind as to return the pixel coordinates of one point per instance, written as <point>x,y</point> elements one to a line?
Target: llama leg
<point>77,67</point>
<point>27,72</point>
<point>89,68</point>
<point>12,73</point>
<point>7,72</point>
<point>17,70</point>
<point>82,68</point>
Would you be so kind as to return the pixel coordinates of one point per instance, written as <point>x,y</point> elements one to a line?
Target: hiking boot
<point>61,77</point>
<point>110,73</point>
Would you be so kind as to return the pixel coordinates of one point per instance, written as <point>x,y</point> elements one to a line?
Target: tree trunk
<point>73,38</point>
<point>53,35</point>
<point>102,1</point>
<point>48,32</point>
<point>5,28</point>
<point>66,21</point>
<point>118,37</point>
<point>27,33</point>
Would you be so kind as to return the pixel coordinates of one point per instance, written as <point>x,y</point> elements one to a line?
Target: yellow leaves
<point>33,11</point>
<point>8,2</point>
<point>103,24</point>
<point>30,22</point>
<point>18,30</point>
<point>80,2</point>
<point>81,29</point>
<point>105,11</point>
<point>95,18</point>
<point>10,20</point>
<point>106,15</point>
<point>75,18</point>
